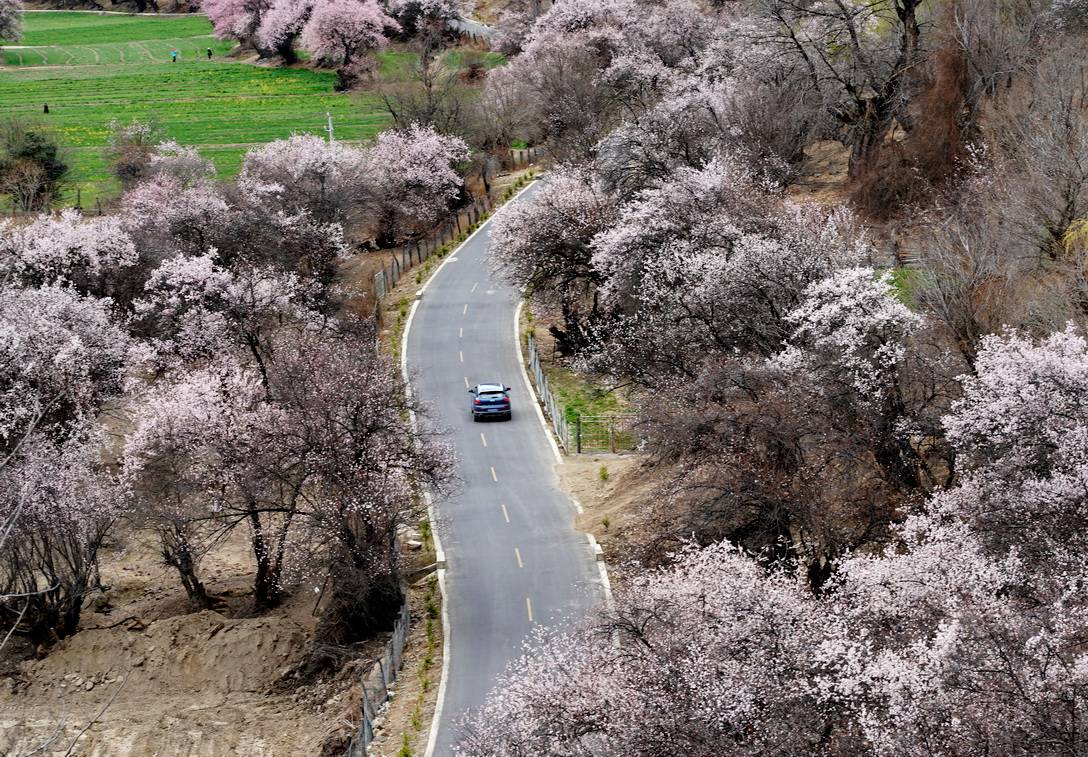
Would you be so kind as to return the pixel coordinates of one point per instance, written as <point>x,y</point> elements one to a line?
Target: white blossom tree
<point>307,173</point>
<point>57,504</point>
<point>61,355</point>
<point>66,250</point>
<point>11,20</point>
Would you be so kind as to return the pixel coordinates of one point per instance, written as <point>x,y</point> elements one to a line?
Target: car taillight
<point>476,401</point>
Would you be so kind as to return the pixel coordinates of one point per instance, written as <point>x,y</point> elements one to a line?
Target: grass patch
<point>578,394</point>
<point>63,38</point>
<point>905,283</point>
<point>91,69</point>
<point>430,603</point>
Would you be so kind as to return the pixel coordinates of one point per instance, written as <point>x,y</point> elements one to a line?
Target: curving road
<point>514,560</point>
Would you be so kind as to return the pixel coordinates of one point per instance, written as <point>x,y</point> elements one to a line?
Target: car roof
<point>490,388</point>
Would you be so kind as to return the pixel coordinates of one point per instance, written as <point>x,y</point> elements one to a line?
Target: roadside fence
<point>419,251</point>
<point>375,684</point>
<point>587,433</point>
<point>604,433</point>
<point>551,404</point>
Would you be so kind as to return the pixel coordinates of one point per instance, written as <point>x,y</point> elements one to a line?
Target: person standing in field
<point>174,56</point>
<point>209,53</point>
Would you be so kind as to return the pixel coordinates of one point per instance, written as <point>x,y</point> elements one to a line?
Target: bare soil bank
<point>168,680</point>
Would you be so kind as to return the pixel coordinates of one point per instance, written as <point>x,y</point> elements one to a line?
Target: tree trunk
<point>266,591</point>
<point>286,50</point>
<point>176,553</point>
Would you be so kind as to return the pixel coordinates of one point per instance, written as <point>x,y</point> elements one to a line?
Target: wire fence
<point>587,433</point>
<point>551,403</point>
<point>375,684</point>
<point>417,252</point>
<point>604,433</point>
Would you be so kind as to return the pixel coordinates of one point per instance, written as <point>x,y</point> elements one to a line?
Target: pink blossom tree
<point>311,453</point>
<point>57,504</point>
<point>181,162</point>
<point>544,244</point>
<point>262,232</point>
<point>341,33</point>
<point>236,19</point>
<point>208,421</point>
<point>959,647</point>
<point>166,216</point>
<point>62,355</point>
<point>253,224</point>
<point>307,173</point>
<point>194,309</point>
<point>1020,431</point>
<point>282,24</point>
<point>721,263</point>
<point>964,635</point>
<point>411,180</point>
<point>711,657</point>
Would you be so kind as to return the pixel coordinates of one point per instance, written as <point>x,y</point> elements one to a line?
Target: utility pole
<point>328,126</point>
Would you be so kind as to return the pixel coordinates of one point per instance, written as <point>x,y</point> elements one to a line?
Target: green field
<point>91,68</point>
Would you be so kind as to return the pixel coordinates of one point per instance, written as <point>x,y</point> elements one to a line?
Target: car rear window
<point>491,395</point>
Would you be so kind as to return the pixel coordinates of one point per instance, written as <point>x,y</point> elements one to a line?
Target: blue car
<point>490,400</point>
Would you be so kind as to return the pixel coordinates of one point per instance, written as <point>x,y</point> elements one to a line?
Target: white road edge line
<point>529,384</point>
<point>440,555</point>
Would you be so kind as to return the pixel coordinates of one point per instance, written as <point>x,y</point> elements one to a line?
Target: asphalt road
<point>514,560</point>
